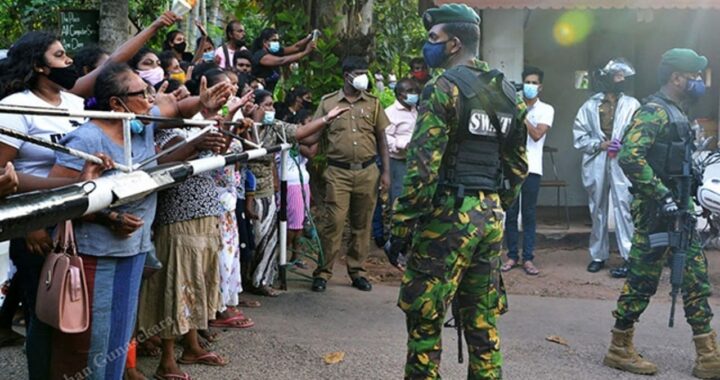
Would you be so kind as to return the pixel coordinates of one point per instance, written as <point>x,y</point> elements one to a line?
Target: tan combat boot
<point>707,364</point>
<point>622,354</point>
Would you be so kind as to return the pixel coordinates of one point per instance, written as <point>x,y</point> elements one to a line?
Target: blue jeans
<point>527,202</point>
<point>38,339</point>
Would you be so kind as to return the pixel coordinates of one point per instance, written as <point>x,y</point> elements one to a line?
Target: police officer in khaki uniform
<point>351,178</point>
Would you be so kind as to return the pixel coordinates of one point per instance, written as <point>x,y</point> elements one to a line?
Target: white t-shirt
<point>34,159</point>
<point>538,113</point>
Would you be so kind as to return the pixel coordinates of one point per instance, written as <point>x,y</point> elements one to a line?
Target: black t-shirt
<point>271,74</point>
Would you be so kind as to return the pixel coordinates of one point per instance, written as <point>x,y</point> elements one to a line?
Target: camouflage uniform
<point>645,265</point>
<point>455,247</point>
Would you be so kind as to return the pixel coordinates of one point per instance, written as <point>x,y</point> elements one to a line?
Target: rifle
<point>680,230</point>
<point>456,323</point>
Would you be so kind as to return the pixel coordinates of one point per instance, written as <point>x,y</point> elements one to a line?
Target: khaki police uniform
<point>351,179</point>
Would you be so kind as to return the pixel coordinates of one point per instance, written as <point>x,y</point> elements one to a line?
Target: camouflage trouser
<point>455,249</point>
<point>645,267</point>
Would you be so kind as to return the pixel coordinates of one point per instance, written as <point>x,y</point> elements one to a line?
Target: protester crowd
<point>168,267</point>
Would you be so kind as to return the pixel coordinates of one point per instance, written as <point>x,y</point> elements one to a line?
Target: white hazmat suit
<point>602,176</point>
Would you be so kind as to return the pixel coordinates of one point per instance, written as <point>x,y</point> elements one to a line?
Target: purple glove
<point>614,147</point>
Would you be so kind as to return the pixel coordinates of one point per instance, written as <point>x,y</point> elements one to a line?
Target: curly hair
<point>17,70</point>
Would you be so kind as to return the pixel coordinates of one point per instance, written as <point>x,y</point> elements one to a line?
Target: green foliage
<point>399,35</point>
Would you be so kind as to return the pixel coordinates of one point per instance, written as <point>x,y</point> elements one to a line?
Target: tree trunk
<point>113,23</point>
<point>215,14</point>
<point>353,23</point>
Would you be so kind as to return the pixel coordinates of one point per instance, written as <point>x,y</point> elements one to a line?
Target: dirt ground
<point>562,274</point>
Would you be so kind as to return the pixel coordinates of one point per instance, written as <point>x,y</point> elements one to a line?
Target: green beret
<point>684,60</point>
<point>448,13</point>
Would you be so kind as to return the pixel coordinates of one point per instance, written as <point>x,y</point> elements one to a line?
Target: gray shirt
<point>96,239</point>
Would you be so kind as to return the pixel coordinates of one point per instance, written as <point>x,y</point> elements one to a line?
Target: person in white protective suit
<point>598,129</point>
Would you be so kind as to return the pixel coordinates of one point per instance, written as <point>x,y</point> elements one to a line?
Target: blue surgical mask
<point>136,126</point>
<point>268,117</point>
<point>434,53</point>
<point>695,88</point>
<point>530,91</point>
<point>412,99</point>
<point>274,47</point>
<point>208,56</point>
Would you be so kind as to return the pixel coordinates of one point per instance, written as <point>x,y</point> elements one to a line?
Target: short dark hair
<point>354,62</point>
<point>418,60</point>
<point>112,81</point>
<point>404,85</point>
<point>467,32</point>
<point>87,57</point>
<point>166,57</point>
<point>532,70</point>
<point>242,54</point>
<point>260,95</point>
<point>229,28</point>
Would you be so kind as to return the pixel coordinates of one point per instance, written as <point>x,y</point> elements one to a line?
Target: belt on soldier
<point>351,165</point>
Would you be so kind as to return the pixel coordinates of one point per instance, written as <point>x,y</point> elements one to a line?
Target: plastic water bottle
<point>182,7</point>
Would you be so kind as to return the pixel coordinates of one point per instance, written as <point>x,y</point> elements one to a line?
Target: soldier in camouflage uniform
<point>645,157</point>
<point>450,212</point>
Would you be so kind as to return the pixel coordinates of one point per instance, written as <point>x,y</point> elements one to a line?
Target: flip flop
<point>249,303</point>
<point>508,266</point>
<point>236,321</point>
<point>530,269</point>
<point>172,376</point>
<point>211,359</point>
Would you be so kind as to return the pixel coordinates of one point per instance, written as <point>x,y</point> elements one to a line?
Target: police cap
<point>684,60</point>
<point>448,13</point>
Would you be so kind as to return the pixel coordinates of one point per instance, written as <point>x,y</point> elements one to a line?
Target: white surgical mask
<point>268,117</point>
<point>360,82</point>
<point>412,99</point>
<point>530,91</point>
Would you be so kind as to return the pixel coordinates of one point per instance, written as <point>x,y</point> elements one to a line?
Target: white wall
<point>503,41</point>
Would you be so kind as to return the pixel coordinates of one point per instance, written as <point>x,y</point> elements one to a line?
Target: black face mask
<point>307,104</point>
<point>64,77</point>
<point>618,87</point>
<point>180,48</point>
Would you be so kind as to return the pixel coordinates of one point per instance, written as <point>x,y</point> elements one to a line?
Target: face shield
<point>612,78</point>
<point>619,67</point>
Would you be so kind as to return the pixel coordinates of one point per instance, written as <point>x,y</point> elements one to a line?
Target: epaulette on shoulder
<point>334,93</point>
<point>371,95</point>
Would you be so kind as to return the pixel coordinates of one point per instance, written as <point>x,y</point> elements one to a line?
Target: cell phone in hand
<point>315,35</point>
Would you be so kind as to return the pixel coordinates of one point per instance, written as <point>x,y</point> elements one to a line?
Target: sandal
<point>210,358</point>
<point>530,269</point>
<point>239,322</point>
<point>210,336</point>
<point>249,303</point>
<point>171,376</point>
<point>510,264</point>
<point>264,291</point>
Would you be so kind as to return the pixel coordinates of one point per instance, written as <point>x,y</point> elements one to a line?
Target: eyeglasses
<point>145,93</point>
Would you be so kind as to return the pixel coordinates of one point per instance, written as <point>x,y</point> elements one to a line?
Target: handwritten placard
<point>79,28</point>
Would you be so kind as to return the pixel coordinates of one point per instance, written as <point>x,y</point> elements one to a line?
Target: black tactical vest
<point>667,155</point>
<point>486,116</point>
